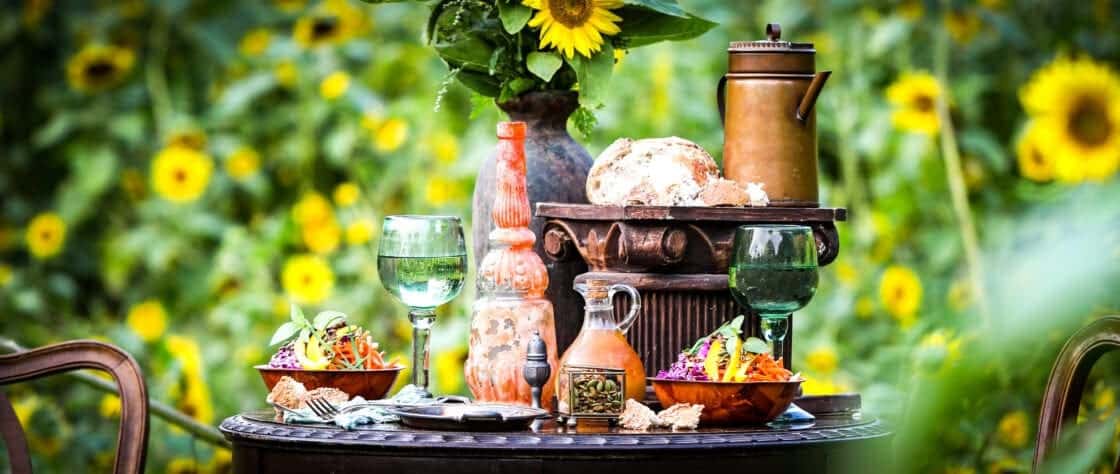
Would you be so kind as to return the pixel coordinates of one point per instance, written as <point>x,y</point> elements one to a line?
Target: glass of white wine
<point>422,261</point>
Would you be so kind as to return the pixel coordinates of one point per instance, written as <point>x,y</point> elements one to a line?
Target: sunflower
<point>915,98</point>
<point>575,25</point>
<point>109,406</point>
<point>331,22</point>
<point>1013,429</point>
<point>962,25</point>
<point>191,391</point>
<point>390,135</point>
<point>321,237</point>
<point>1075,104</point>
<point>148,320</point>
<point>188,136</point>
<point>243,163</point>
<point>307,279</point>
<point>1035,163</point>
<point>98,67</point>
<point>334,85</point>
<point>359,232</point>
<point>45,235</point>
<point>255,42</point>
<point>285,73</point>
<point>346,194</point>
<point>312,209</point>
<point>823,360</point>
<point>900,291</point>
<point>5,274</point>
<point>181,174</point>
<point>444,146</point>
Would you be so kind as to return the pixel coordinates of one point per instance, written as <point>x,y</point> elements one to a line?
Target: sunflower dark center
<point>180,175</point>
<point>1037,158</point>
<point>324,27</point>
<point>100,69</point>
<point>899,293</point>
<point>1089,123</point>
<point>306,280</point>
<point>923,103</point>
<point>46,236</point>
<point>571,13</point>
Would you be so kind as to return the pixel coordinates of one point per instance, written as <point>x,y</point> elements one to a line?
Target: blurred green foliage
<point>191,152</point>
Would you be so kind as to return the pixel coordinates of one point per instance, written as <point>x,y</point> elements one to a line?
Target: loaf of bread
<point>663,172</point>
<point>654,172</point>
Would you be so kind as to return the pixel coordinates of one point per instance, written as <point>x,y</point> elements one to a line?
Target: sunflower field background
<point>174,172</point>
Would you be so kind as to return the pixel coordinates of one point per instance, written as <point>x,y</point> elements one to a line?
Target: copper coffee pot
<point>770,130</point>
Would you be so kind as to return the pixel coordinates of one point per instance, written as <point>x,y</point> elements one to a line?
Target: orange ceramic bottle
<point>512,279</point>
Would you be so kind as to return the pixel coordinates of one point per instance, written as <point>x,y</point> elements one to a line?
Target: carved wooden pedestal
<point>677,257</point>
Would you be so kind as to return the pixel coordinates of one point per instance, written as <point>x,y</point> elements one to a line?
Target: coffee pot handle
<point>635,305</point>
<point>721,92</point>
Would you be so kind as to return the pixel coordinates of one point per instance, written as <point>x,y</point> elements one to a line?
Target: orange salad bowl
<point>370,384</point>
<point>729,403</point>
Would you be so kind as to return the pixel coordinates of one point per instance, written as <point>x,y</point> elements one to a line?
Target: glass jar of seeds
<point>591,393</point>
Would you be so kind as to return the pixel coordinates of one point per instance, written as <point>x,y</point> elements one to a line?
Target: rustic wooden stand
<point>677,257</point>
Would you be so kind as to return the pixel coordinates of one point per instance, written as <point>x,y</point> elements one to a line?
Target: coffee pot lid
<point>772,44</point>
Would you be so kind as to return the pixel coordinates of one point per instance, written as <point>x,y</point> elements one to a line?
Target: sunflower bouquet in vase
<point>506,48</point>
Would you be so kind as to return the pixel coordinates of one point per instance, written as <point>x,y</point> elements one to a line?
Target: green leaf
<point>643,28</point>
<point>479,104</point>
<point>480,82</point>
<point>326,319</point>
<point>469,52</point>
<point>514,15</point>
<point>594,75</point>
<point>283,333</point>
<point>240,94</point>
<point>668,7</point>
<point>516,87</point>
<point>585,121</point>
<point>298,317</point>
<point>544,65</point>
<point>732,328</point>
<point>755,345</point>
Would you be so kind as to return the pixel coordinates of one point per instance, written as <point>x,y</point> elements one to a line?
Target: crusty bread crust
<point>656,172</point>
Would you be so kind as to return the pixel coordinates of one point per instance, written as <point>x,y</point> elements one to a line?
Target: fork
<point>327,411</point>
<point>323,409</point>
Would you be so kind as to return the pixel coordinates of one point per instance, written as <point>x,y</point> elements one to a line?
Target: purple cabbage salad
<point>285,358</point>
<point>690,363</point>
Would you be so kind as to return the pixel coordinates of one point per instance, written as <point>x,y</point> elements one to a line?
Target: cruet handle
<point>635,304</point>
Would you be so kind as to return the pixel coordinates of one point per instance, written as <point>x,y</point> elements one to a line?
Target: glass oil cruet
<point>602,341</point>
<point>512,279</point>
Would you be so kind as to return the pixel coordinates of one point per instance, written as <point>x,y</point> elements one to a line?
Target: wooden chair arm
<point>1062,398</point>
<point>132,440</point>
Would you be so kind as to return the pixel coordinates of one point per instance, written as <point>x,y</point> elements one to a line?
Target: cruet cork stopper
<point>536,371</point>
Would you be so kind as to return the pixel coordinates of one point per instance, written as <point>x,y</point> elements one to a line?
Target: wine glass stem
<point>774,328</point>
<point>422,320</point>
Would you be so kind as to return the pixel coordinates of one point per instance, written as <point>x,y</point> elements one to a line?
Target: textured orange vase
<point>512,279</point>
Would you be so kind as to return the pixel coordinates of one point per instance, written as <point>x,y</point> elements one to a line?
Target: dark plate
<point>468,417</point>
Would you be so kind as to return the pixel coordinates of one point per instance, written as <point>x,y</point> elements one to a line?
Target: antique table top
<point>835,443</point>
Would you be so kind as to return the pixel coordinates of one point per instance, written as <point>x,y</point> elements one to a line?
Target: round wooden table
<point>834,444</point>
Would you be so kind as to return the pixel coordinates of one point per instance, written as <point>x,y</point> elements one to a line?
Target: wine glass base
<point>795,416</point>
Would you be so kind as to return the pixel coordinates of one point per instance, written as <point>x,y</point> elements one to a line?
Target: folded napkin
<point>366,415</point>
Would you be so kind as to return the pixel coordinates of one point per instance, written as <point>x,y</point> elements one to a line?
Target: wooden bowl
<point>370,384</point>
<point>727,403</point>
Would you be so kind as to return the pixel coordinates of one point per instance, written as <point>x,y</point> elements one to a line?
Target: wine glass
<point>422,261</point>
<point>773,271</point>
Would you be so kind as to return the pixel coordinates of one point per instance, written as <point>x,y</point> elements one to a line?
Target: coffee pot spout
<point>811,94</point>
